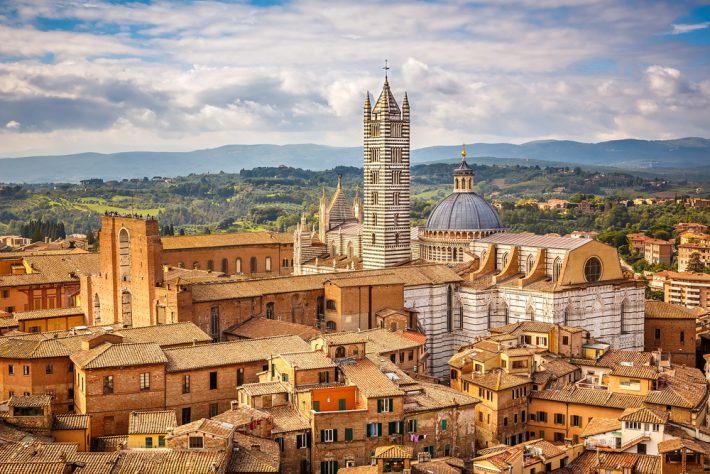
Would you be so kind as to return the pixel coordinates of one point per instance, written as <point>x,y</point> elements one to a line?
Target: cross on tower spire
<point>386,68</point>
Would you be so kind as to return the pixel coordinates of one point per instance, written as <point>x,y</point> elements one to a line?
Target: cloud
<point>12,125</point>
<point>681,28</point>
<point>110,76</point>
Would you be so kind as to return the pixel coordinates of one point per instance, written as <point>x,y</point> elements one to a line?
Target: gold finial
<point>463,152</point>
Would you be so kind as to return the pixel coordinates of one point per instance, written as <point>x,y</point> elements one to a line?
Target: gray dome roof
<point>463,211</point>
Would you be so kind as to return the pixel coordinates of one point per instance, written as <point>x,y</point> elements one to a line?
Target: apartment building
<point>671,329</point>
<point>684,288</point>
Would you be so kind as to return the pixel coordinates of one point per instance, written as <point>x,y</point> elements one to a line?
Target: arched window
<point>97,308</point>
<point>593,269</point>
<point>567,315</point>
<point>252,265</point>
<point>124,254</point>
<point>210,265</point>
<point>181,264</point>
<point>556,269</point>
<point>530,264</point>
<point>330,326</point>
<point>456,184</point>
<point>238,266</point>
<point>269,310</point>
<point>225,266</point>
<point>456,254</point>
<point>530,313</point>
<point>330,304</point>
<point>506,314</point>
<point>461,317</point>
<point>195,265</point>
<point>396,239</point>
<point>373,197</point>
<point>374,219</point>
<point>126,308</point>
<point>449,308</point>
<point>268,264</point>
<point>349,251</point>
<point>489,313</point>
<point>395,199</point>
<point>483,255</point>
<point>339,352</point>
<point>504,260</point>
<point>214,323</point>
<point>373,239</point>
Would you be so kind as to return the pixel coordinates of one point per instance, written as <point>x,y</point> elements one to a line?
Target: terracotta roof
<point>263,388</point>
<point>641,372</point>
<point>614,357</point>
<point>48,269</point>
<point>70,421</point>
<point>559,367</point>
<point>661,310</point>
<point>151,422</point>
<point>228,353</point>
<point>56,467</point>
<point>255,328</point>
<point>428,396</point>
<point>496,380</point>
<point>681,387</point>
<point>30,401</point>
<point>645,415</point>
<point>8,322</point>
<point>546,449</point>
<point>48,313</point>
<point>205,425</point>
<point>446,465</point>
<point>369,380</point>
<point>241,415</point>
<point>307,360</point>
<point>394,451</point>
<point>250,459</point>
<point>378,341</point>
<point>598,425</point>
<point>110,443</point>
<point>589,396</point>
<point>675,444</point>
<point>119,355</point>
<point>162,461</point>
<point>286,419</point>
<point>225,240</point>
<point>589,461</point>
<point>532,240</point>
<point>95,463</point>
<point>36,452</point>
<point>166,335</point>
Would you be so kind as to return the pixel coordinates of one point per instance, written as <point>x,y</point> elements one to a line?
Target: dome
<point>463,211</point>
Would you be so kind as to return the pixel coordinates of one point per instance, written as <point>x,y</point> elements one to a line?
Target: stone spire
<point>463,175</point>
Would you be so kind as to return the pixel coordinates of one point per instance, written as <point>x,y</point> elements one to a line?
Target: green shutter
<point>379,429</point>
<point>335,435</point>
<point>348,434</point>
<point>316,405</point>
<point>415,426</point>
<point>379,406</point>
<point>341,404</point>
<point>392,429</point>
<point>322,436</point>
<point>401,427</point>
<point>443,425</point>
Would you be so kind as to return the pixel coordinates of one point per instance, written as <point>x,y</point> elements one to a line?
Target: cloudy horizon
<point>174,76</point>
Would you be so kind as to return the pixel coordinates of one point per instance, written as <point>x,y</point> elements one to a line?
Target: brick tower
<point>386,234</point>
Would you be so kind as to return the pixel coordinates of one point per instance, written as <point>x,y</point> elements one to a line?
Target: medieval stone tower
<point>386,234</point>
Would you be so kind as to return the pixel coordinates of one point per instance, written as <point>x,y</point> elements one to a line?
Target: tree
<point>695,265</point>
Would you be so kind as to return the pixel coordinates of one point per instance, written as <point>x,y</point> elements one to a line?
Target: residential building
<point>148,429</point>
<point>670,329</point>
<point>684,288</point>
<point>693,246</point>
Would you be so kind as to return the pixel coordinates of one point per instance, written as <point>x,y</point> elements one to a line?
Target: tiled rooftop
<point>369,380</point>
<point>497,380</point>
<point>250,459</point>
<point>599,425</point>
<point>225,240</point>
<point>645,415</point>
<point>263,388</point>
<point>589,396</point>
<point>119,355</point>
<point>53,268</point>
<point>286,419</point>
<point>256,328</point>
<point>205,425</point>
<point>48,313</point>
<point>307,360</point>
<point>70,421</point>
<point>30,401</point>
<point>151,422</point>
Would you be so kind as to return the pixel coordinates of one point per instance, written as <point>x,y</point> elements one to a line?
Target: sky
<point>88,75</point>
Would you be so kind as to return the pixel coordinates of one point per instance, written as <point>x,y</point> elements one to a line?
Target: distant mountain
<point>685,153</point>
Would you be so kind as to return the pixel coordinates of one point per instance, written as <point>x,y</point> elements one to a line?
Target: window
<point>682,337</point>
<point>401,357</point>
<point>185,384</point>
<point>559,419</point>
<point>148,441</point>
<point>505,421</point>
<point>196,442</point>
<point>330,304</point>
<point>328,436</point>
<point>10,369</point>
<point>412,426</point>
<point>238,266</point>
<point>630,384</point>
<point>210,265</point>
<point>541,341</point>
<point>658,333</point>
<point>348,434</point>
<point>302,440</point>
<point>633,425</point>
<point>145,381</point>
<point>213,380</point>
<point>520,364</point>
<point>225,266</point>
<point>593,269</point>
<point>453,374</point>
<point>374,430</point>
<point>576,420</point>
<point>565,340</point>
<point>284,263</point>
<point>186,415</point>
<point>542,416</point>
<point>558,438</point>
<point>284,377</point>
<point>252,265</point>
<point>330,326</point>
<point>213,410</point>
<point>240,377</point>
<point>324,377</point>
<point>108,384</point>
<point>25,370</point>
<point>161,441</point>
<point>395,427</point>
<point>449,308</point>
<point>411,355</point>
<point>5,293</point>
<point>214,323</point>
<point>280,442</point>
<point>444,424</point>
<point>556,269</point>
<point>316,405</point>
<point>267,264</point>
<point>384,405</point>
<point>269,310</point>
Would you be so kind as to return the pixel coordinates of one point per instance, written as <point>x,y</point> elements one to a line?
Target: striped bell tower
<point>386,233</point>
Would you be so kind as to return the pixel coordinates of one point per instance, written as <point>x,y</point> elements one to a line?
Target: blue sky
<point>102,76</point>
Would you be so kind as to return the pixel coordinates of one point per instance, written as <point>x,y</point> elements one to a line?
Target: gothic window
<point>567,315</point>
<point>530,264</point>
<point>593,269</point>
<point>97,308</point>
<point>556,269</point>
<point>396,219</point>
<point>269,310</point>
<point>396,155</point>
<point>506,314</point>
<point>530,313</point>
<point>449,308</point>
<point>504,260</point>
<point>456,255</point>
<point>396,177</point>
<point>373,239</point>
<point>127,307</point>
<point>238,266</point>
<point>483,256</point>
<point>339,352</point>
<point>395,199</point>
<point>374,219</point>
<point>456,183</point>
<point>267,264</point>
<point>375,129</point>
<point>626,314</point>
<point>210,265</point>
<point>124,254</point>
<point>461,317</point>
<point>489,311</point>
<point>373,197</point>
<point>396,130</point>
<point>225,265</point>
<point>214,323</point>
<point>252,265</point>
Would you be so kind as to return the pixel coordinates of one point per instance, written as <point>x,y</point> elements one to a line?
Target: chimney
<point>256,447</point>
<point>194,341</point>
